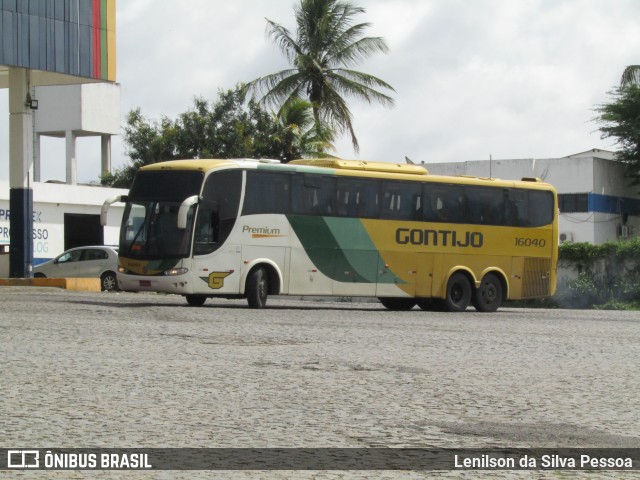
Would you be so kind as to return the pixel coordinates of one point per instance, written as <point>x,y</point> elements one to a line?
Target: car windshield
<point>150,230</point>
<point>70,256</point>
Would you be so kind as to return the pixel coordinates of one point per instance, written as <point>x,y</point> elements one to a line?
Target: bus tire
<point>458,293</point>
<point>196,300</point>
<point>397,304</point>
<point>490,295</point>
<point>257,288</point>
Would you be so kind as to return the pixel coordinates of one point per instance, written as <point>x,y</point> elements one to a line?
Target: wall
<point>73,37</point>
<point>93,107</point>
<point>50,202</point>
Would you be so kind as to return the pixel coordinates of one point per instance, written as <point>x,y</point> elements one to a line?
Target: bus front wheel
<point>458,293</point>
<point>257,288</point>
<point>397,304</point>
<point>195,300</point>
<point>489,296</point>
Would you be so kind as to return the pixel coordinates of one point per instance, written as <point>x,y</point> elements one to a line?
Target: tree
<point>226,128</point>
<point>621,120</point>
<point>630,76</point>
<point>326,45</point>
<point>296,131</point>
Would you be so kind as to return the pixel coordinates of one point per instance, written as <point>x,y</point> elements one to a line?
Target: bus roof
<point>359,168</point>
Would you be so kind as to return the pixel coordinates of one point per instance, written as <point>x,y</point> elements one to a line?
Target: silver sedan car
<point>83,262</point>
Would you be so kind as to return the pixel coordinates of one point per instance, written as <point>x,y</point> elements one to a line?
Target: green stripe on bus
<point>339,247</point>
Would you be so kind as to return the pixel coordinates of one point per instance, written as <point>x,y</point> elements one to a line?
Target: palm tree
<point>630,76</point>
<point>297,134</point>
<point>326,45</point>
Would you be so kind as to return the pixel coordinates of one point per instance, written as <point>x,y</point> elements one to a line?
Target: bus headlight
<point>175,271</point>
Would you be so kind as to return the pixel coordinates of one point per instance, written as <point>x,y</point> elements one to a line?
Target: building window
<point>573,202</point>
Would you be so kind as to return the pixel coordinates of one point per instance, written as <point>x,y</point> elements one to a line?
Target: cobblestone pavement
<point>145,370</point>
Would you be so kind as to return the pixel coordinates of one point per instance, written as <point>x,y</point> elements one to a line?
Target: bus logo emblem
<point>216,279</point>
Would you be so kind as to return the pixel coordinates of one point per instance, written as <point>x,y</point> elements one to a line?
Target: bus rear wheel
<point>196,300</point>
<point>490,295</point>
<point>458,293</point>
<point>397,304</point>
<point>257,288</point>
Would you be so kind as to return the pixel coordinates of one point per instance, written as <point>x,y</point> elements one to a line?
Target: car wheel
<point>490,295</point>
<point>196,300</point>
<point>108,282</point>
<point>257,288</point>
<point>458,293</point>
<point>39,275</point>
<point>397,304</point>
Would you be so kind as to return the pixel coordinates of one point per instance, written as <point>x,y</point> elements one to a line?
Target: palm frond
<point>360,85</point>
<point>328,42</point>
<point>630,76</point>
<point>282,37</point>
<point>354,52</point>
<point>274,87</point>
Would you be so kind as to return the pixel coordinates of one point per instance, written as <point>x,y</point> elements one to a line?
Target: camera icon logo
<point>23,459</point>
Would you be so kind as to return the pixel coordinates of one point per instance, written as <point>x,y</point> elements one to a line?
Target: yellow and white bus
<point>253,228</point>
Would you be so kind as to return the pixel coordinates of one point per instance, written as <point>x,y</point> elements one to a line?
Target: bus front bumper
<point>179,284</point>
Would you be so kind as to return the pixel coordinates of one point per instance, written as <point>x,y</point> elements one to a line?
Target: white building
<point>68,215</point>
<point>64,216</point>
<point>596,202</point>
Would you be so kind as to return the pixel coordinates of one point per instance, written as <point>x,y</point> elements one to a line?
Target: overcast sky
<point>473,78</point>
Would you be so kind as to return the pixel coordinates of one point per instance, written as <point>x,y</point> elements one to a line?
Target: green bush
<point>614,287</point>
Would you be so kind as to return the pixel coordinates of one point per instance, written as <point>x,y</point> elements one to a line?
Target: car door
<point>91,263</point>
<point>66,265</point>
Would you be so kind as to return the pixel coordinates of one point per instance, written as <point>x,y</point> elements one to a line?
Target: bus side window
<point>540,208</point>
<point>485,205</point>
<point>267,192</point>
<point>401,200</point>
<point>356,197</point>
<point>444,203</point>
<point>313,195</point>
<point>217,211</point>
<point>207,230</point>
<point>517,208</point>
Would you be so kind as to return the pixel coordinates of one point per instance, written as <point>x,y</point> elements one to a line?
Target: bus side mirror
<point>107,203</point>
<point>183,211</point>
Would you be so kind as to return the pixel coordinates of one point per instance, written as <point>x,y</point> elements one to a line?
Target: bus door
<point>216,256</point>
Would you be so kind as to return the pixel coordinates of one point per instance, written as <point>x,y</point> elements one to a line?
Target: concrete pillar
<point>37,169</point>
<point>20,162</point>
<point>106,153</point>
<point>72,166</point>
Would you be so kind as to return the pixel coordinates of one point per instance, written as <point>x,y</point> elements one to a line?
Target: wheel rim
<point>489,292</point>
<point>109,282</point>
<point>457,293</point>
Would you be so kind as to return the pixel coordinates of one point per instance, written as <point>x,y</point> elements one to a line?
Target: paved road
<point>145,370</point>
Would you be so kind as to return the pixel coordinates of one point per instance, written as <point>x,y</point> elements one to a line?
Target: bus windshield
<point>150,230</point>
<point>150,220</point>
